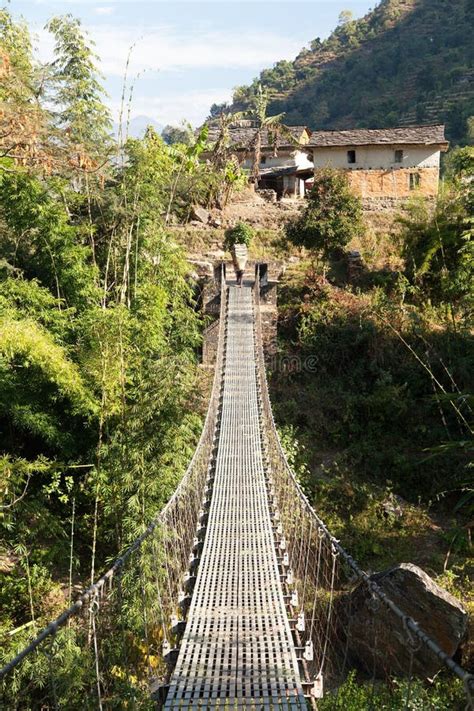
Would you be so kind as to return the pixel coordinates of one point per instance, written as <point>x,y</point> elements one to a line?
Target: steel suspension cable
<point>358,573</point>
<point>160,519</point>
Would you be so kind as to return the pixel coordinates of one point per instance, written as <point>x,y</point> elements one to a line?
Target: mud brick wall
<point>393,184</point>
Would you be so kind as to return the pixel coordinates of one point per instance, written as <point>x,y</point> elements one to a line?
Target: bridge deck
<point>237,650</point>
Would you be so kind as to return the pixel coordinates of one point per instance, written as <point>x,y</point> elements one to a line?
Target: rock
<point>216,255</point>
<point>355,265</point>
<point>436,611</point>
<point>8,563</point>
<point>203,269</point>
<point>268,195</point>
<point>393,507</point>
<point>199,214</point>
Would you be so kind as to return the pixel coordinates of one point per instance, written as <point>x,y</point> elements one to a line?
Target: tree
<point>438,247</point>
<point>24,124</point>
<point>345,17</point>
<point>82,116</point>
<point>470,128</point>
<point>98,341</point>
<point>221,148</point>
<point>280,77</point>
<point>460,165</point>
<point>226,166</point>
<point>331,218</point>
<point>175,134</point>
<point>217,109</point>
<point>272,124</point>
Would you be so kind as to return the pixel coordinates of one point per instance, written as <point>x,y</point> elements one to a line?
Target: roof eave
<point>443,146</point>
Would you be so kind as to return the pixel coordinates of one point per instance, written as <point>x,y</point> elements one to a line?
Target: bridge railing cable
<point>115,642</point>
<point>343,621</point>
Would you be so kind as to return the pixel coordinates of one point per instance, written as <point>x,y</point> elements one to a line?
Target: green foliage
<point>383,454</point>
<point>175,134</point>
<point>264,122</point>
<point>331,218</point>
<point>280,77</point>
<point>99,402</point>
<point>25,345</point>
<point>345,17</point>
<point>241,233</point>
<point>26,298</point>
<point>174,177</point>
<point>82,116</point>
<point>15,39</point>
<point>368,397</point>
<point>438,247</point>
<point>404,60</point>
<point>459,163</point>
<point>226,171</point>
<point>353,695</point>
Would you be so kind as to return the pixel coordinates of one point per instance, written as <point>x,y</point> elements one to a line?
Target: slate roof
<point>407,135</point>
<point>243,134</point>
<point>278,172</point>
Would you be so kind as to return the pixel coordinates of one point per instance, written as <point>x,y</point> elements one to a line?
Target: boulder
<point>268,195</point>
<point>379,640</point>
<point>199,214</point>
<point>216,255</point>
<point>393,507</point>
<point>202,268</point>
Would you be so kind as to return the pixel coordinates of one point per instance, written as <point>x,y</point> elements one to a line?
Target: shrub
<point>332,217</point>
<point>443,694</point>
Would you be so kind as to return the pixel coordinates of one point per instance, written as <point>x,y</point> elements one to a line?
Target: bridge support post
<point>269,273</point>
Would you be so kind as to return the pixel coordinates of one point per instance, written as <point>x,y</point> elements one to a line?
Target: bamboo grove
<point>99,334</point>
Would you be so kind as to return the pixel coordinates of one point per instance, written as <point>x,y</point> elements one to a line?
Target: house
<point>285,163</point>
<point>383,164</point>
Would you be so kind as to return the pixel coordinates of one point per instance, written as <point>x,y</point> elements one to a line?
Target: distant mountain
<point>405,62</point>
<point>138,126</point>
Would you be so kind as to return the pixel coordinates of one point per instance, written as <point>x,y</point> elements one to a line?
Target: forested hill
<point>405,62</point>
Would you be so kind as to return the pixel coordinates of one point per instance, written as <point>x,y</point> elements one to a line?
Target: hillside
<point>405,62</point>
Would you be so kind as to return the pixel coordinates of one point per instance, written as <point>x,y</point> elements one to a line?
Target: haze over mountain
<point>405,62</point>
<point>138,126</point>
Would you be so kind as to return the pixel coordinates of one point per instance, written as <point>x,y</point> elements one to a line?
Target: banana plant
<point>272,124</point>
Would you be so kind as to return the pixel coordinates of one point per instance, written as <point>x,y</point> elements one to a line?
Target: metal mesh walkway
<point>237,650</point>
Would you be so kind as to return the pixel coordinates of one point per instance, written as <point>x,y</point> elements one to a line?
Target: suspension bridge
<point>244,594</point>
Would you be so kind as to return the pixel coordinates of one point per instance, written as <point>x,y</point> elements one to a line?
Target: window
<point>414,181</point>
<point>351,156</point>
<point>399,156</point>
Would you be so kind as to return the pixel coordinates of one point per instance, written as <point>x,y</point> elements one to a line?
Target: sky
<point>187,55</point>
